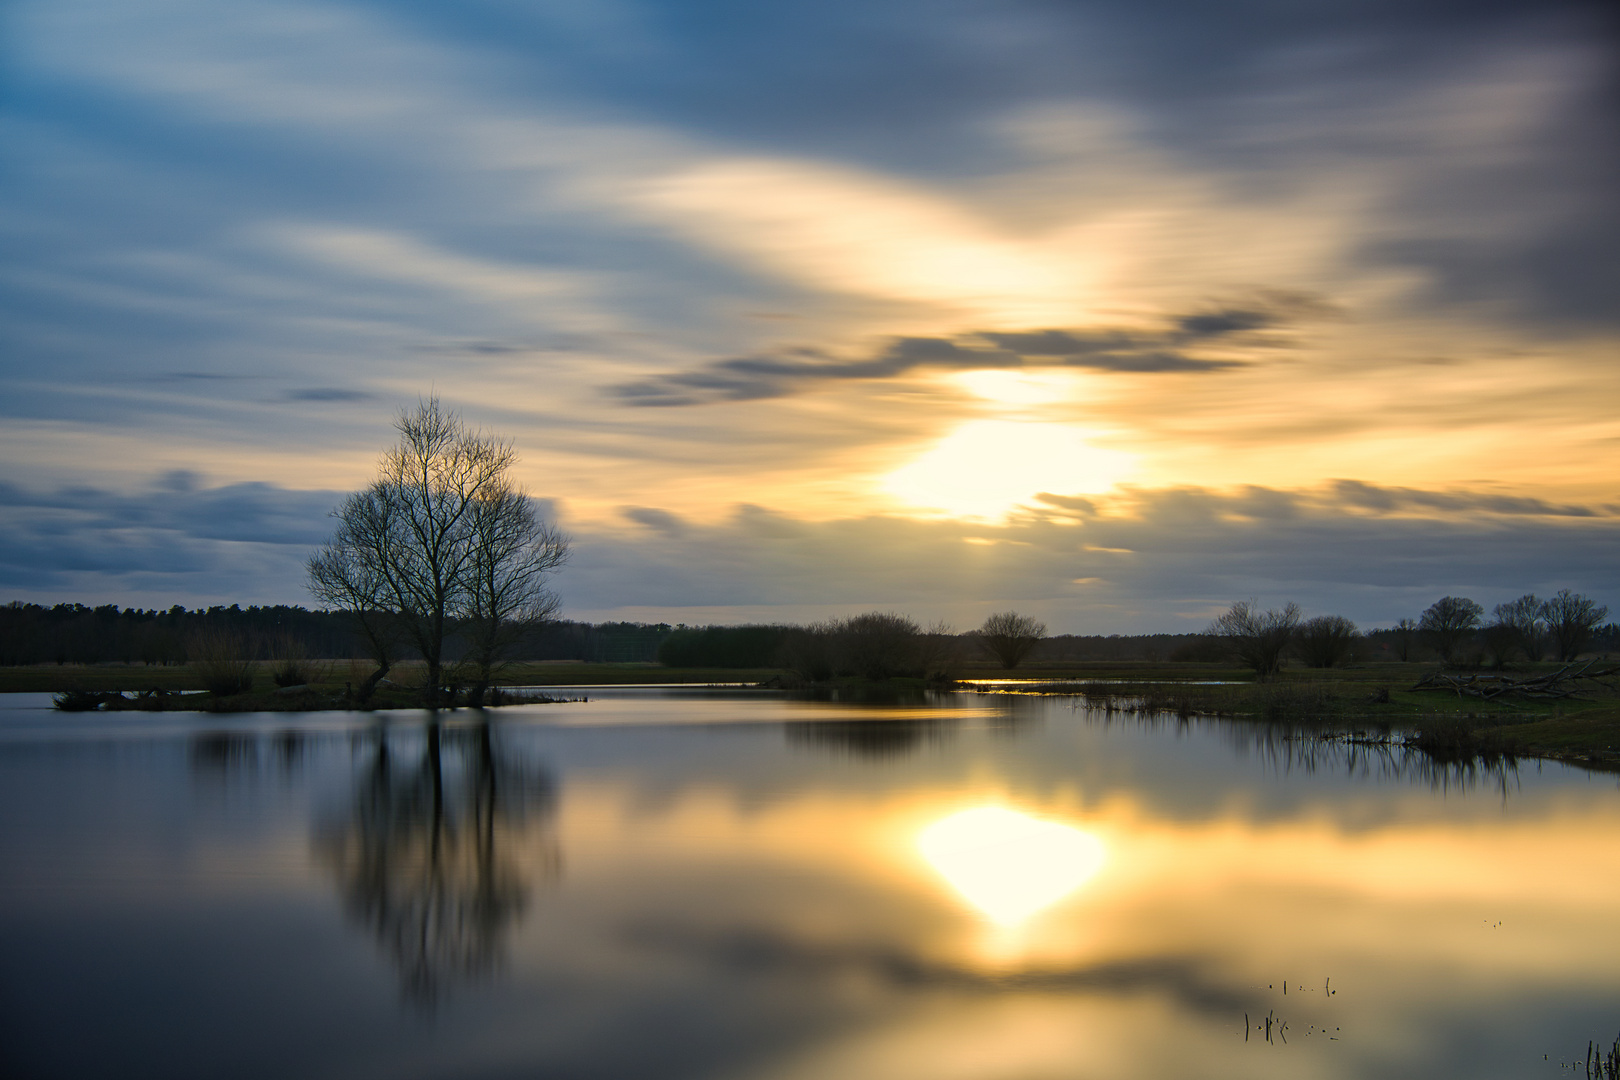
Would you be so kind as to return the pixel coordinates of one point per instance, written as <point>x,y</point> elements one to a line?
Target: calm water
<point>678,884</point>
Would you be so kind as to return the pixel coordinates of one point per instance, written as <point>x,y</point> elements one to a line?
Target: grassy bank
<point>331,675</point>
<point>1375,697</point>
<point>1372,697</point>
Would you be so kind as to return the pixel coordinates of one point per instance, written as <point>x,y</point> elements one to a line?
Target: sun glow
<point>1017,387</point>
<point>1007,864</point>
<point>986,467</point>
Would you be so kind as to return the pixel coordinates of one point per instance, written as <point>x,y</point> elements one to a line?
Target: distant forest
<point>76,634</point>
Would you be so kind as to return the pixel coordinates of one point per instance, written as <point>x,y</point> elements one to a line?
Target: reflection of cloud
<point>769,954</point>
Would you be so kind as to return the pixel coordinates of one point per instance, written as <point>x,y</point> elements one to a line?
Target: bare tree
<point>346,573</point>
<point>1523,618</point>
<point>1501,642</point>
<point>1405,630</point>
<point>513,552</point>
<point>1450,621</point>
<point>1570,619</point>
<point>1325,641</point>
<point>1257,638</point>
<point>1010,637</point>
<point>412,544</point>
<point>878,644</point>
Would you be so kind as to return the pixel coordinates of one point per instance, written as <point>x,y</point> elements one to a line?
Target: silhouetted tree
<point>1325,641</point>
<point>1570,619</point>
<point>1450,621</point>
<point>878,644</point>
<point>440,534</point>
<point>347,573</point>
<point>513,552</point>
<point>1501,642</point>
<point>1257,638</point>
<point>1009,637</point>
<point>1524,623</point>
<point>1405,631</point>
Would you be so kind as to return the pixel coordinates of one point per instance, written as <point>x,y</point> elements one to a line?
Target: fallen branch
<point>1567,681</point>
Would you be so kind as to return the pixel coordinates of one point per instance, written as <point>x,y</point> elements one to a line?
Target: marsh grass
<point>223,662</point>
<point>291,665</point>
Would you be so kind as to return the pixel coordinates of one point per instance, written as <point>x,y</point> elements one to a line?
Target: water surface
<point>690,883</point>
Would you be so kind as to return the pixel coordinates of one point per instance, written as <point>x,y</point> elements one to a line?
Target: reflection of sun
<point>986,467</point>
<point>1007,864</point>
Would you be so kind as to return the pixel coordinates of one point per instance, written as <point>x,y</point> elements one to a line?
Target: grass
<point>1584,731</point>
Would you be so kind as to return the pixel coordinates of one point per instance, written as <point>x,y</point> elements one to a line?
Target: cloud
<point>1137,560</point>
<point>176,542</point>
<point>328,393</point>
<point>659,521</point>
<point>1394,499</point>
<point>780,374</point>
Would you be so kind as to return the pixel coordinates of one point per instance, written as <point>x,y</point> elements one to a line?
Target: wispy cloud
<point>1169,349</point>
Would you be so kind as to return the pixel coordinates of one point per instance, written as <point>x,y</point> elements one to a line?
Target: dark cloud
<point>328,393</point>
<point>744,953</point>
<point>1394,499</point>
<point>776,375</point>
<point>1147,560</point>
<point>659,521</point>
<point>1143,560</point>
<point>237,542</point>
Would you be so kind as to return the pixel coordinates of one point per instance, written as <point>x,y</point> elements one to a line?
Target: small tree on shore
<point>1449,622</point>
<point>1570,619</point>
<point>441,535</point>
<point>1257,638</point>
<point>513,553</point>
<point>1010,637</point>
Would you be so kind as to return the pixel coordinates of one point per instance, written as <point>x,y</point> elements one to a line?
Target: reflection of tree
<point>426,858</point>
<point>1327,748</point>
<point>878,737</point>
<point>219,756</point>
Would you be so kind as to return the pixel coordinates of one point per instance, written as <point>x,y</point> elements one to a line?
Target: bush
<point>878,645</point>
<point>723,646</point>
<point>1325,641</point>
<point>1009,637</point>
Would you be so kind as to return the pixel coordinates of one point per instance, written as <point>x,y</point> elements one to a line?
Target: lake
<point>699,883</point>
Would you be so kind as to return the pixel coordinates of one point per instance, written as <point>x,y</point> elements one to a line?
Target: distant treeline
<point>76,634</point>
<point>761,646</point>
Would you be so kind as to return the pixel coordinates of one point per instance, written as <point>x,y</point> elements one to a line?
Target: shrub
<point>1009,637</point>
<point>878,645</point>
<point>1325,641</point>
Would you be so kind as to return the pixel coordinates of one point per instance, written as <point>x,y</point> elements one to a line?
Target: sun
<point>985,468</point>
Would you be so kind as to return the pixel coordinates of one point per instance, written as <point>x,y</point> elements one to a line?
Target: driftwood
<point>1567,681</point>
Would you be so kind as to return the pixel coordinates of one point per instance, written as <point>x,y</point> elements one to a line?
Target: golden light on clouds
<point>1007,864</point>
<point>984,468</point>
<point>1018,387</point>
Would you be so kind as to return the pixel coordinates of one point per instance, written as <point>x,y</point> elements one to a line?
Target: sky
<point>1111,313</point>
